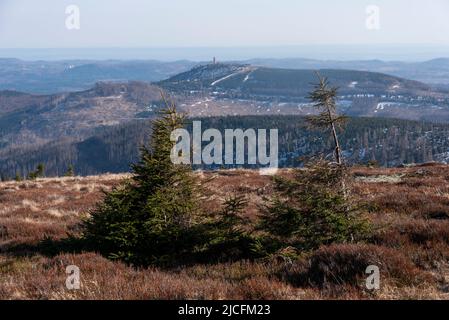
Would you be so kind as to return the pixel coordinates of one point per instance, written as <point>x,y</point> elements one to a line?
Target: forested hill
<point>259,81</point>
<point>390,142</point>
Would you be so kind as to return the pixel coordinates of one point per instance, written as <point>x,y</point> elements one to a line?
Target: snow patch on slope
<point>243,70</point>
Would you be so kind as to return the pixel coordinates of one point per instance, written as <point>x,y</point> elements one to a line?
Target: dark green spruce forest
<point>386,142</point>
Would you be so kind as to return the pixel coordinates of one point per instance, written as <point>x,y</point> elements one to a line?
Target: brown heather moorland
<point>408,207</point>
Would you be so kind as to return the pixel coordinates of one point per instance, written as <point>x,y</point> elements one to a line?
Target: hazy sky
<point>192,23</point>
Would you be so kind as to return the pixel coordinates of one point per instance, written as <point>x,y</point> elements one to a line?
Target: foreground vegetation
<point>408,209</point>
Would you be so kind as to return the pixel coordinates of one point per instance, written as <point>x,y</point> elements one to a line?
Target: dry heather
<point>409,209</point>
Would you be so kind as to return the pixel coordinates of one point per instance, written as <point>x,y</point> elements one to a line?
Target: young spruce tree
<point>38,173</point>
<point>315,207</point>
<point>226,237</point>
<point>147,219</point>
<point>324,99</point>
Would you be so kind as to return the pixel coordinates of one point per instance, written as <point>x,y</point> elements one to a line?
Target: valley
<point>100,129</point>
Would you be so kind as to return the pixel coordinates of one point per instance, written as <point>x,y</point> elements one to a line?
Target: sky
<point>224,23</point>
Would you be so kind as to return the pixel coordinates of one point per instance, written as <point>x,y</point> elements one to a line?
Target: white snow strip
<point>232,75</point>
<point>353,84</point>
<point>249,75</point>
<point>224,78</point>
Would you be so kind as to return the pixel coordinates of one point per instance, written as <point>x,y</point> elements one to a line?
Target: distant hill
<point>434,71</point>
<point>28,120</point>
<point>252,80</point>
<point>96,129</point>
<point>48,77</point>
<point>233,89</point>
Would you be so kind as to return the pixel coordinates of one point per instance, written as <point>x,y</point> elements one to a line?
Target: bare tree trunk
<point>337,145</point>
<point>334,134</point>
<point>338,157</point>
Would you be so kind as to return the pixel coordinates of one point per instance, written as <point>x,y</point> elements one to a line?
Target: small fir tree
<point>147,219</point>
<point>314,208</point>
<point>324,98</point>
<point>226,235</point>
<point>38,173</point>
<point>70,171</point>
